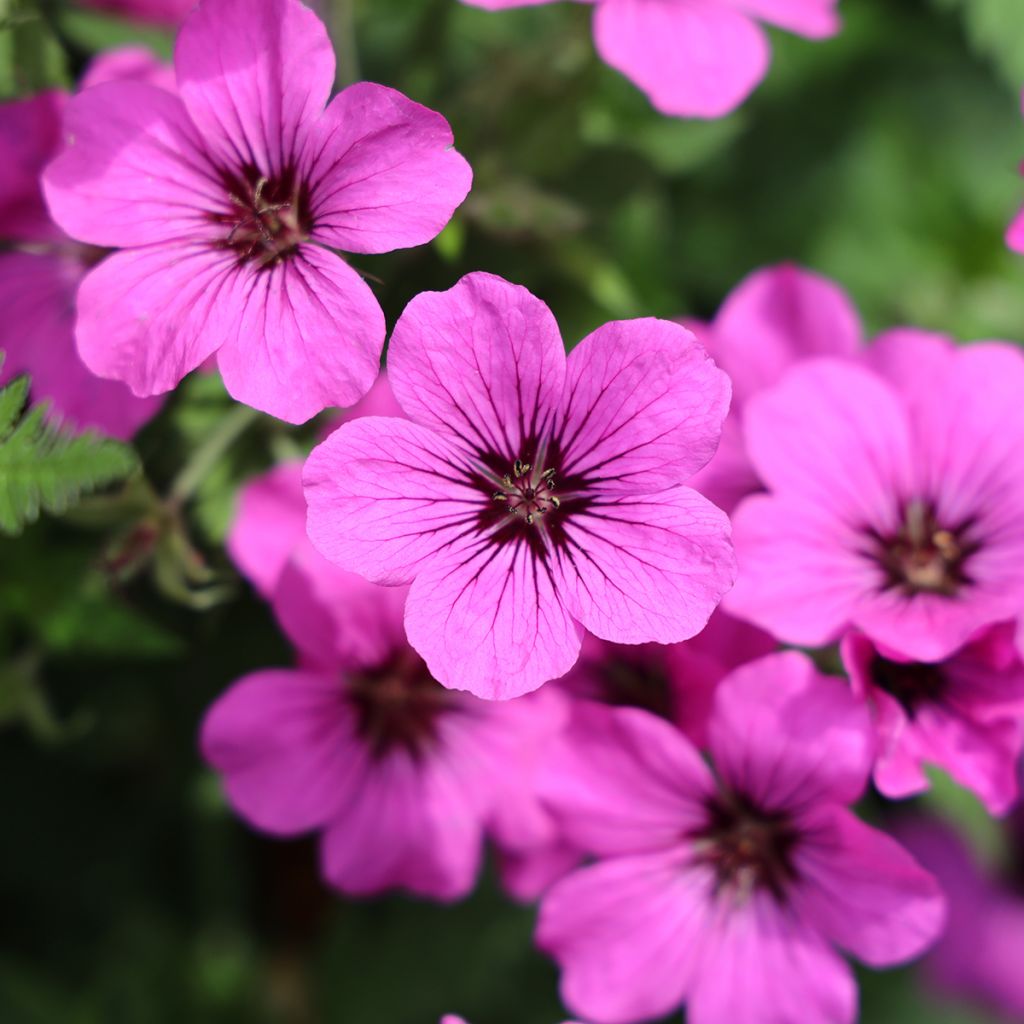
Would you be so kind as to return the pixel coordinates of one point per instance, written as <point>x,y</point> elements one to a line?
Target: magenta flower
<point>964,714</point>
<point>226,200</point>
<point>980,953</point>
<point>402,778</point>
<point>729,890</point>
<point>694,58</point>
<point>773,319</point>
<point>530,495</point>
<point>42,268</point>
<point>896,501</point>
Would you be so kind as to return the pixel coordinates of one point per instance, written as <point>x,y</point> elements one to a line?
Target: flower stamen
<point>526,493</point>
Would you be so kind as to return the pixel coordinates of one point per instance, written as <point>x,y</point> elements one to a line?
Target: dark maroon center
<point>911,684</point>
<point>266,216</point>
<point>924,556</point>
<point>746,847</point>
<point>398,706</point>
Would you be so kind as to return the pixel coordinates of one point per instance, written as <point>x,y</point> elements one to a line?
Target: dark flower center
<point>398,706</point>
<point>924,556</point>
<point>912,684</point>
<point>746,847</point>
<point>528,492</point>
<point>267,218</point>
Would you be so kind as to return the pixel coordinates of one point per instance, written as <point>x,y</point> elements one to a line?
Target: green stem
<point>206,456</point>
<point>342,21</point>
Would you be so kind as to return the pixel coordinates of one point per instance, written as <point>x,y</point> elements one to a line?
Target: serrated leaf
<point>46,468</point>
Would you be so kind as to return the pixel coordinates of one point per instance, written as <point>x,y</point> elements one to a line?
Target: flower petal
<point>37,294</point>
<point>835,436</point>
<point>284,743</point>
<point>488,618</point>
<point>134,171</point>
<point>764,965</point>
<point>628,935</point>
<point>777,317</point>
<point>621,780</point>
<point>336,618</point>
<point>30,135</point>
<point>309,336</point>
<point>800,575</point>
<point>149,316</point>
<point>253,76</point>
<point>384,495</point>
<point>269,524</point>
<point>384,173</point>
<point>865,892</point>
<point>786,736</point>
<point>644,406</point>
<point>411,825</point>
<point>128,63</point>
<point>699,58</point>
<point>636,570</point>
<point>482,362</point>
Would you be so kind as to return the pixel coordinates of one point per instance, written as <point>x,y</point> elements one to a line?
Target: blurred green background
<point>886,158</point>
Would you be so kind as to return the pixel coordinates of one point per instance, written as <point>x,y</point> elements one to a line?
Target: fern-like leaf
<point>44,467</point>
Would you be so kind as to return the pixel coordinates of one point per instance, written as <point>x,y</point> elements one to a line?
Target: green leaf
<point>43,467</point>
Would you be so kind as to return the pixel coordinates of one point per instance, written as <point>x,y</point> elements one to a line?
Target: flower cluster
<point>649,619</point>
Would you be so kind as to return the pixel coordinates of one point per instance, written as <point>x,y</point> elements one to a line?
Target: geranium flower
<point>42,269</point>
<point>896,501</point>
<point>729,889</point>
<point>530,495</point>
<point>224,203</point>
<point>964,714</point>
<point>402,778</point>
<point>694,58</point>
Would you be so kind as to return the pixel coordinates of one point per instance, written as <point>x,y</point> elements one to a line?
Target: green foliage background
<point>886,158</point>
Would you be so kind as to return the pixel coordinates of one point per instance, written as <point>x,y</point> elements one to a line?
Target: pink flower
<point>896,501</point>
<point>41,272</point>
<point>773,319</point>
<point>694,58</point>
<point>530,495</point>
<point>964,714</point>
<point>981,950</point>
<point>226,200</point>
<point>729,890</point>
<point>165,12</point>
<point>401,777</point>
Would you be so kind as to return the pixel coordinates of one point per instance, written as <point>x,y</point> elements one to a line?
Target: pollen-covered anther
<point>527,493</point>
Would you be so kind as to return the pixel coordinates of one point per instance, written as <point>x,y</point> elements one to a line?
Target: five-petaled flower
<point>226,201</point>
<point>896,497</point>
<point>530,495</point>
<point>402,778</point>
<point>694,58</point>
<point>728,889</point>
